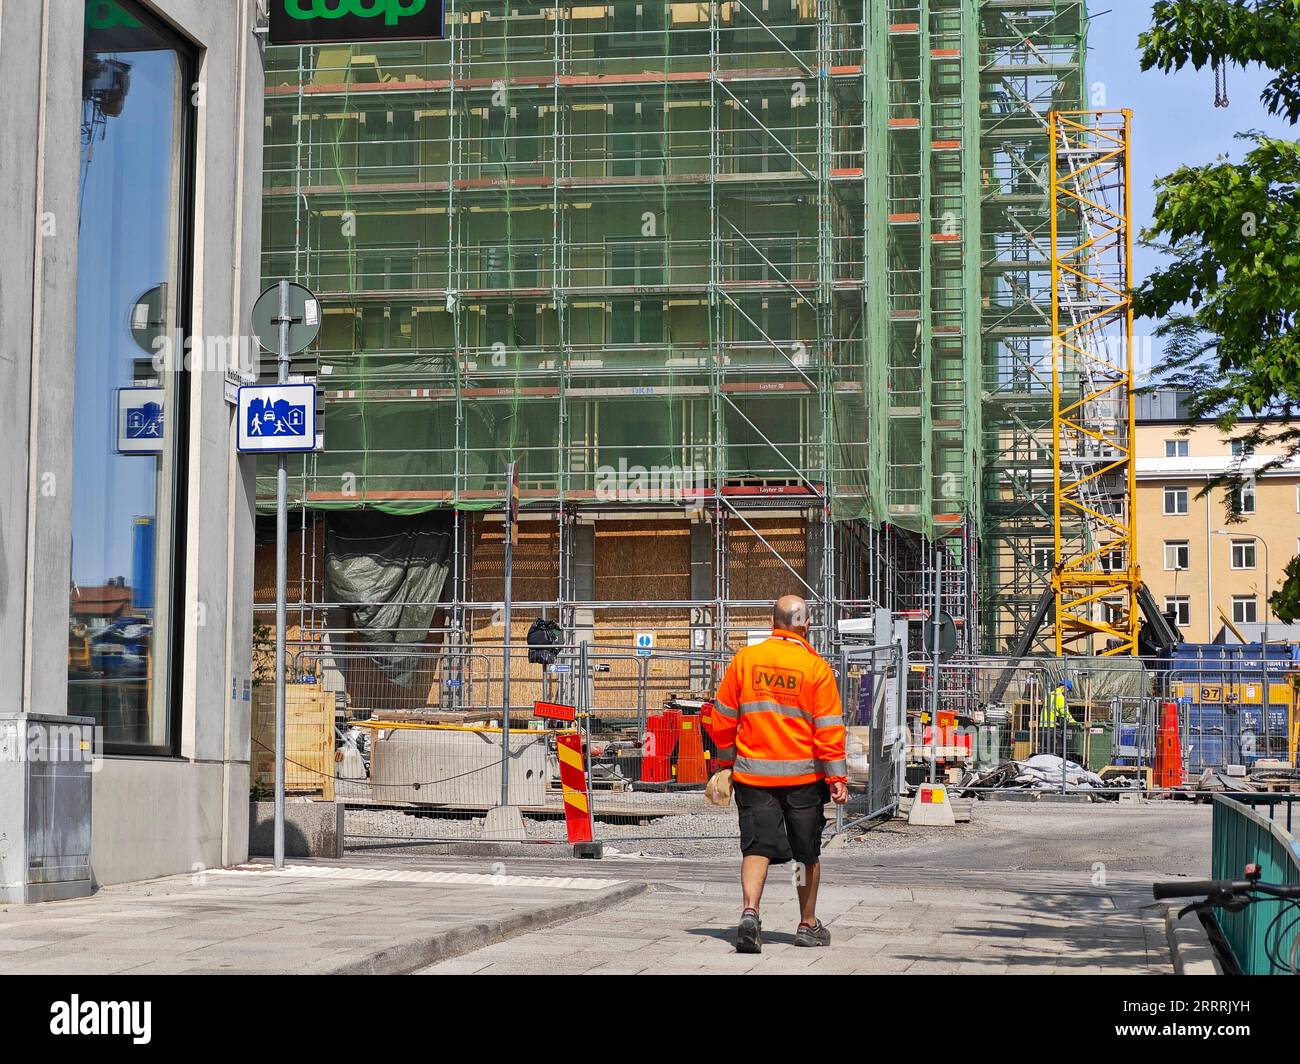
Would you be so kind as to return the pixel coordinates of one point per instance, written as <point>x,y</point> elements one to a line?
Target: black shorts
<point>782,823</point>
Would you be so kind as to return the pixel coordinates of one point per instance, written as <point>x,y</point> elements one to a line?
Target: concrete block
<point>505,823</point>
<point>311,829</point>
<point>932,807</point>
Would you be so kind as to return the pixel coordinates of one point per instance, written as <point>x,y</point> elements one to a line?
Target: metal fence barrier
<point>410,738</point>
<point>1227,726</point>
<point>1264,936</point>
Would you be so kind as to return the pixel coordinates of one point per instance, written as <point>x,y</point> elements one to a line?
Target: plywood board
<point>309,739</point>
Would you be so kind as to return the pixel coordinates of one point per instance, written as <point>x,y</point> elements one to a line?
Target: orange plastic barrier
<point>1169,753</point>
<point>692,765</point>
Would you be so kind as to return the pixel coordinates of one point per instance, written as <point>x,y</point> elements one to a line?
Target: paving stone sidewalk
<point>309,919</point>
<point>1044,928</point>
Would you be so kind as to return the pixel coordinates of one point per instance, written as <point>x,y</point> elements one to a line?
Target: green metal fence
<point>1265,936</point>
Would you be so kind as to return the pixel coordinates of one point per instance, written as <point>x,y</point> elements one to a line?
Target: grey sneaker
<point>816,935</point>
<point>749,935</point>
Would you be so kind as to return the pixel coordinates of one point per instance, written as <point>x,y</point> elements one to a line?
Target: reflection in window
<point>131,293</point>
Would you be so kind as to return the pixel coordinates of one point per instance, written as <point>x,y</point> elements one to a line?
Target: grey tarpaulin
<point>1097,679</point>
<point>388,569</point>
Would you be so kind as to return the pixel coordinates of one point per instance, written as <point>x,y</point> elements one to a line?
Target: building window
<point>387,141</point>
<point>130,414</point>
<point>393,267</point>
<point>1243,554</point>
<point>1242,449</point>
<point>1175,500</point>
<point>636,29</point>
<point>1244,498</point>
<point>1180,608</point>
<point>1044,559</point>
<point>635,262</point>
<point>1175,448</point>
<point>636,321</point>
<point>1178,554</point>
<point>1245,609</point>
<point>511,134</point>
<point>1112,611</point>
<point>1111,561</point>
<point>637,139</point>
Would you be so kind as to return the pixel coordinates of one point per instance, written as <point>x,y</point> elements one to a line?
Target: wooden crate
<point>308,738</point>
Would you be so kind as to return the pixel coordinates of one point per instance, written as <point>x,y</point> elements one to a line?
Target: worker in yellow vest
<point>1057,720</point>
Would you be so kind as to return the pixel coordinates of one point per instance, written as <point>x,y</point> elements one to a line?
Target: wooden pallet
<point>309,739</point>
<point>1276,786</point>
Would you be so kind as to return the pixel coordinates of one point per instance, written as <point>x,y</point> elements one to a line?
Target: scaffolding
<point>732,270</point>
<point>1032,63</point>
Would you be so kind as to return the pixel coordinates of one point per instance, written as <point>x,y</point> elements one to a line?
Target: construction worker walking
<point>1057,720</point>
<point>778,718</point>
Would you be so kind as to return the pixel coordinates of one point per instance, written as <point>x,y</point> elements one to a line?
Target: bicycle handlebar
<point>1209,888</point>
<point>1200,888</point>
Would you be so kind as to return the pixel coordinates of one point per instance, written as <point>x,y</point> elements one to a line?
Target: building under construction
<point>757,293</point>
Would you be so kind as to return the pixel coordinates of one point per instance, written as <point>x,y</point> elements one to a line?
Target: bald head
<point>791,614</point>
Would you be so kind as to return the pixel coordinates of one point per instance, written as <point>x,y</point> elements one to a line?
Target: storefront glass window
<point>129,415</point>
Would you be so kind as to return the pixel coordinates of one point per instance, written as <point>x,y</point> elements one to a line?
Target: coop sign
<point>345,21</point>
<point>108,14</point>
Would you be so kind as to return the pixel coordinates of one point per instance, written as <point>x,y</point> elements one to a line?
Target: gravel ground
<point>1165,837</point>
<point>700,832</point>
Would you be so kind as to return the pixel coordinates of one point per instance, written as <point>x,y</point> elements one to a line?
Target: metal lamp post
<point>1267,583</point>
<point>1263,646</point>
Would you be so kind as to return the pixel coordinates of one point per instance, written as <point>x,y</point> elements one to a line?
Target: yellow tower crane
<point>1096,583</point>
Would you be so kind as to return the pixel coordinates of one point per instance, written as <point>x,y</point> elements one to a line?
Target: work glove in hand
<point>718,790</point>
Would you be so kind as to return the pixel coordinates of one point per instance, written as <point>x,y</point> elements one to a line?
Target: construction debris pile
<point>1043,772</point>
<point>1264,776</point>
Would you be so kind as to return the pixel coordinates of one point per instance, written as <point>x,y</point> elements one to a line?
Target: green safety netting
<point>652,358</point>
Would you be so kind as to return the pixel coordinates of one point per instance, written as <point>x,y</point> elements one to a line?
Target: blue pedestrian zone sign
<point>277,417</point>
<point>140,425</point>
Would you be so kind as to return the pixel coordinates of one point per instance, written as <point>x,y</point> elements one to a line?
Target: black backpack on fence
<point>542,637</point>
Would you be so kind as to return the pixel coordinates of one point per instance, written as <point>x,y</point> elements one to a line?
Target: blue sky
<point>1175,121</point>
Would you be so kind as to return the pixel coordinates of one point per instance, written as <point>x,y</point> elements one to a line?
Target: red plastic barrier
<point>660,742</point>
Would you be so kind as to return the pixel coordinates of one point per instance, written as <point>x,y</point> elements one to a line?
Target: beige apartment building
<point>1195,561</point>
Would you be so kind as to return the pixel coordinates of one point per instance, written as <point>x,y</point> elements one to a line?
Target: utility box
<point>45,775</point>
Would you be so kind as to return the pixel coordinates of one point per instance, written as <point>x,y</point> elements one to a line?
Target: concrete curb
<point>1189,945</point>
<point>411,956</point>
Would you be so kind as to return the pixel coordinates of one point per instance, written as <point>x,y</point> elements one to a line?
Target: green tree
<point>1229,296</point>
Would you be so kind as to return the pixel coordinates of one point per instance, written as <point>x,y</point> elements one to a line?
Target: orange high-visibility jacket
<point>777,715</point>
